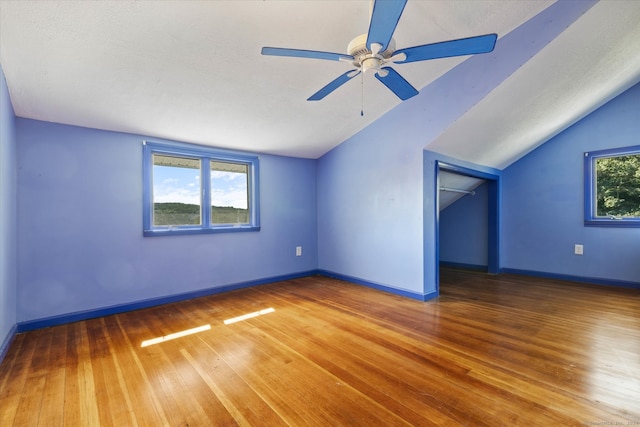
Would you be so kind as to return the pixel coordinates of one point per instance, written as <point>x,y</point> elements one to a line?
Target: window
<point>612,187</point>
<point>192,190</point>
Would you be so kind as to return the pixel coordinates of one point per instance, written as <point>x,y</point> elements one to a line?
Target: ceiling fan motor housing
<point>364,58</point>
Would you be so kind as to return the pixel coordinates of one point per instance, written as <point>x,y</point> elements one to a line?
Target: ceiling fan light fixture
<point>370,63</point>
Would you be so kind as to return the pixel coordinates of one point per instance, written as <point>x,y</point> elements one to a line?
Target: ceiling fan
<point>372,52</point>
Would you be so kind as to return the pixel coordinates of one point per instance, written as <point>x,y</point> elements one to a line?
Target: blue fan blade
<point>397,84</point>
<point>301,53</point>
<point>333,86</point>
<point>460,47</point>
<point>384,19</point>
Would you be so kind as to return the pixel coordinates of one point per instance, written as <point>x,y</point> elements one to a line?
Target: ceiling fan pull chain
<point>362,94</point>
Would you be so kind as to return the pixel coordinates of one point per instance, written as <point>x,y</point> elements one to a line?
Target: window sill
<point>619,223</point>
<point>187,231</point>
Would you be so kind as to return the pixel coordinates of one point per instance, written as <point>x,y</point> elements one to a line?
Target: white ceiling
<point>192,71</point>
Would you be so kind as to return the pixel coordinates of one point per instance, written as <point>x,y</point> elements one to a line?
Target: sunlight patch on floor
<point>175,335</point>
<point>249,316</point>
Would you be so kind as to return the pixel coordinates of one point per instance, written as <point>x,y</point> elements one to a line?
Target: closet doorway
<point>467,222</point>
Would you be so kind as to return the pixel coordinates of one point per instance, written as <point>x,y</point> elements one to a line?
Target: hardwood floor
<point>491,350</point>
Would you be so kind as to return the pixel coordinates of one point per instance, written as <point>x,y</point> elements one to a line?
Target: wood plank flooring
<point>491,350</point>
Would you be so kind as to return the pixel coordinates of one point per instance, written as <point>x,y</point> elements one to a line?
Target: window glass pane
<point>229,193</point>
<point>176,191</point>
<point>618,186</point>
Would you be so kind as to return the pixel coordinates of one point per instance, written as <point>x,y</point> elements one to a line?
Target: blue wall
<point>543,202</point>
<point>370,209</point>
<point>464,230</point>
<point>80,226</point>
<point>8,237</point>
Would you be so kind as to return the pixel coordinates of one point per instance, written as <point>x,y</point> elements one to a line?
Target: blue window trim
<point>205,155</point>
<point>590,219</point>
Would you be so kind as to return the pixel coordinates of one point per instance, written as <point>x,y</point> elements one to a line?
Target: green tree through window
<point>618,186</point>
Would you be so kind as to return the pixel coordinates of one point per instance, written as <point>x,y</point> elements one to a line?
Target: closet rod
<point>455,190</point>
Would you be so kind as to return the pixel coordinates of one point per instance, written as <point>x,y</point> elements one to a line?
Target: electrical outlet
<point>298,250</point>
<point>578,250</point>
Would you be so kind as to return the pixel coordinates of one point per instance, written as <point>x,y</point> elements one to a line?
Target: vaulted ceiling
<point>192,70</point>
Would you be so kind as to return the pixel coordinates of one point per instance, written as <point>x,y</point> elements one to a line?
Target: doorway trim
<point>494,202</point>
